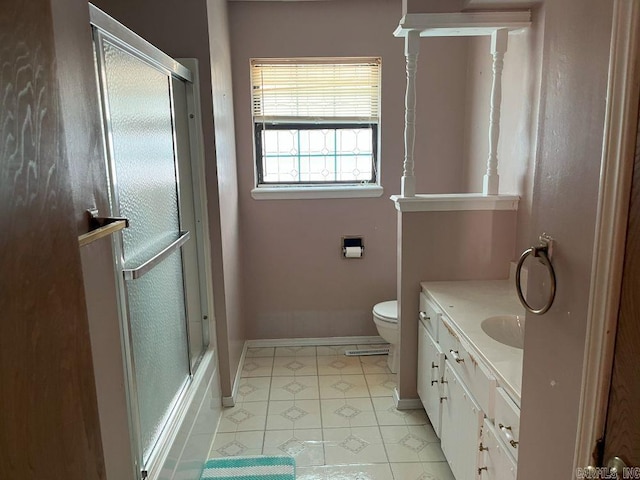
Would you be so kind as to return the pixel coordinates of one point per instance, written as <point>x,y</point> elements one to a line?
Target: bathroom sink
<point>506,329</point>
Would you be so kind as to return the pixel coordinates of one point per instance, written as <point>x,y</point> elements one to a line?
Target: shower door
<point>140,131</point>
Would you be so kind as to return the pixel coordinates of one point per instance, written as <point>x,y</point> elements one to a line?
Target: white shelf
<point>455,202</point>
<point>462,24</point>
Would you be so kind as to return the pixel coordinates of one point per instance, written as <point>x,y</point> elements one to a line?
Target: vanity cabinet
<point>476,419</point>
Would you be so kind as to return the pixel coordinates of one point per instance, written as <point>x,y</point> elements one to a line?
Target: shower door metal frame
<point>106,28</point>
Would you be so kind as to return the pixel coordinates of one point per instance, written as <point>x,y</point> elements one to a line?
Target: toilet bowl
<point>385,316</point>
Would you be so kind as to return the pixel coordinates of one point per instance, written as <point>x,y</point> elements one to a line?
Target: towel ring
<point>541,252</point>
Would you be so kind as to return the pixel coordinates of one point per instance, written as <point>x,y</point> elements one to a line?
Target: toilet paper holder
<point>352,247</point>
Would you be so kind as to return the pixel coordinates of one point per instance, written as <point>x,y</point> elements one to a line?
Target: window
<point>316,121</point>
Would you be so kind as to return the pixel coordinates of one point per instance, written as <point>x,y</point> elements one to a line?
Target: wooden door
<point>622,437</point>
<point>49,424</point>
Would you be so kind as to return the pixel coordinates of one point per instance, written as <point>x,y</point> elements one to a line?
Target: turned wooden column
<point>499,40</point>
<point>411,49</point>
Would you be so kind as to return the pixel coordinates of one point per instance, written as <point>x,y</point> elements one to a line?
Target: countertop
<point>466,304</point>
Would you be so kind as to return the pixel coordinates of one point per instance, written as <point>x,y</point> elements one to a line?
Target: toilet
<point>385,316</point>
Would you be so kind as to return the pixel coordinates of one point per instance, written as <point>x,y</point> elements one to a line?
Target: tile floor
<point>333,413</point>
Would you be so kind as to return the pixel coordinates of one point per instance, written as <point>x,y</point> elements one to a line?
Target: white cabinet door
<point>430,363</point>
<point>461,427</point>
<point>497,463</point>
<point>424,365</point>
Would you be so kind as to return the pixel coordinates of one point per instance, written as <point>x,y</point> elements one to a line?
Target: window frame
<point>317,188</point>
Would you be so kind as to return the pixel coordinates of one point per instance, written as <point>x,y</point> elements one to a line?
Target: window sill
<point>316,192</point>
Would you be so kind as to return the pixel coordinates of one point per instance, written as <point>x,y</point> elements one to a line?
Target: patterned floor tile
<point>343,386</point>
<point>381,384</point>
<point>339,365</point>
<point>291,415</point>
<point>379,471</point>
<point>296,351</point>
<point>294,388</point>
<point>422,471</point>
<point>253,389</point>
<point>353,445</point>
<point>349,412</point>
<point>294,366</point>
<point>244,416</point>
<point>238,443</point>
<point>260,352</point>
<point>335,414</point>
<point>388,414</point>
<point>412,444</point>
<point>375,363</point>
<point>257,367</point>
<point>304,445</point>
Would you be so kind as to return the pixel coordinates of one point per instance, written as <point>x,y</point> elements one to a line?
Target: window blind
<point>316,89</point>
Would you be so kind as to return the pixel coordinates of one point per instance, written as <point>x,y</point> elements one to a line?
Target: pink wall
<point>462,245</point>
<point>518,125</point>
<point>515,120</point>
<point>421,6</point>
<point>573,94</point>
<point>181,30</point>
<point>295,282</point>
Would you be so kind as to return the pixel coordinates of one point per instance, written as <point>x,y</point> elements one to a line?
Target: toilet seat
<point>386,311</point>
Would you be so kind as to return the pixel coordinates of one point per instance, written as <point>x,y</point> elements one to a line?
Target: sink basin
<point>506,329</point>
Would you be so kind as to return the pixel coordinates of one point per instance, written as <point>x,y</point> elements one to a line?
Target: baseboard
<point>231,401</point>
<point>406,403</point>
<point>305,342</point>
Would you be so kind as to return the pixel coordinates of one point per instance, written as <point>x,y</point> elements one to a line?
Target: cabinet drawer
<point>507,421</point>
<point>496,462</point>
<point>429,314</point>
<point>448,339</point>
<point>473,373</point>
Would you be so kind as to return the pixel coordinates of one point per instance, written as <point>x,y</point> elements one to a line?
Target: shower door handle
<point>134,273</point>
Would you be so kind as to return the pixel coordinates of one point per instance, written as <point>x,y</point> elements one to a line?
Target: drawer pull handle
<point>456,356</point>
<point>442,398</point>
<point>481,469</point>
<point>434,365</point>
<point>424,317</point>
<point>482,447</point>
<point>434,382</point>
<point>507,433</point>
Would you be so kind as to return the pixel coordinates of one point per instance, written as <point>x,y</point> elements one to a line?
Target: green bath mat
<point>250,468</point>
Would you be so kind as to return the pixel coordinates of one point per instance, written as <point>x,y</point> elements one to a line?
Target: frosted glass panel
<point>140,126</point>
<point>156,309</point>
<point>142,141</point>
